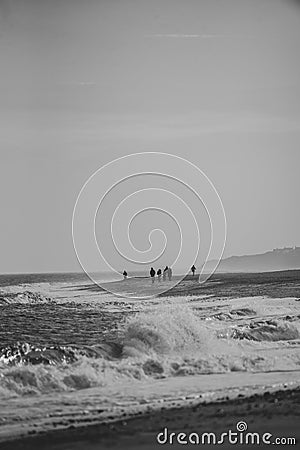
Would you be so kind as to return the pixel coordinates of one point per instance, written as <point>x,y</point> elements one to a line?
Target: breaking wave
<point>24,297</point>
<point>166,330</point>
<point>270,330</point>
<point>164,342</point>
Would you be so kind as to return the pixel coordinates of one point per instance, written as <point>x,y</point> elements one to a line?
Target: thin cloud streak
<point>199,36</point>
<point>78,83</point>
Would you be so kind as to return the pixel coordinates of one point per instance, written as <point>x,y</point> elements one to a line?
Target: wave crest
<point>166,341</point>
<point>166,330</point>
<point>271,330</point>
<point>24,297</point>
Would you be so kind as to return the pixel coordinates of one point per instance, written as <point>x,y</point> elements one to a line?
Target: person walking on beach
<point>152,274</point>
<point>165,273</point>
<point>159,275</point>
<point>193,269</point>
<point>170,273</point>
<point>125,274</point>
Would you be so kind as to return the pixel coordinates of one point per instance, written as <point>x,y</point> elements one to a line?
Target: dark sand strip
<point>277,413</point>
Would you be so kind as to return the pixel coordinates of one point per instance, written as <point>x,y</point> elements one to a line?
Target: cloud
<point>78,83</point>
<point>85,83</point>
<point>197,36</point>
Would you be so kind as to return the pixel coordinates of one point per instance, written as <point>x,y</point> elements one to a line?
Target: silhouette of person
<point>170,273</point>
<point>165,273</point>
<point>159,274</point>
<point>193,269</point>
<point>152,274</point>
<point>125,274</point>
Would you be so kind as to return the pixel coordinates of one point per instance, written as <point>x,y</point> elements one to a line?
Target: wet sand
<point>278,284</point>
<point>263,401</point>
<point>276,413</point>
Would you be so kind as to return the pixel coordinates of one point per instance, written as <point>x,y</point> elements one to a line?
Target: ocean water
<point>50,278</point>
<point>61,334</point>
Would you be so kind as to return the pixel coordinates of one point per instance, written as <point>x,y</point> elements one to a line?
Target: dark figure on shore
<point>193,269</point>
<point>125,274</point>
<point>170,273</point>
<point>165,273</point>
<point>152,274</point>
<point>159,274</point>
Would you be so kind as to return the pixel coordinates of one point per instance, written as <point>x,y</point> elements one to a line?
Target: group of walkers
<point>167,272</point>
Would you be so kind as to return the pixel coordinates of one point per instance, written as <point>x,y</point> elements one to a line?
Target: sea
<point>63,338</point>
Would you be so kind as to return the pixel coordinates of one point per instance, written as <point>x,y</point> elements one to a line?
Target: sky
<point>82,83</point>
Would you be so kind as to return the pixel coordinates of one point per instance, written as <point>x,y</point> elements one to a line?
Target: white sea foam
<point>165,341</point>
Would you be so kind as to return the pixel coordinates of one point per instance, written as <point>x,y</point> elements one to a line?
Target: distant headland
<point>277,259</point>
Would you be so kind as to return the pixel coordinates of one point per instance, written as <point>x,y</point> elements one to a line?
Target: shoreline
<point>275,284</point>
<point>268,402</point>
<point>272,411</point>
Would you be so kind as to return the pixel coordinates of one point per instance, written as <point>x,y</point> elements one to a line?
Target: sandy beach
<point>199,360</point>
<point>273,409</point>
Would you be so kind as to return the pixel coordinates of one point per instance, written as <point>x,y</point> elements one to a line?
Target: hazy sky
<point>84,82</point>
